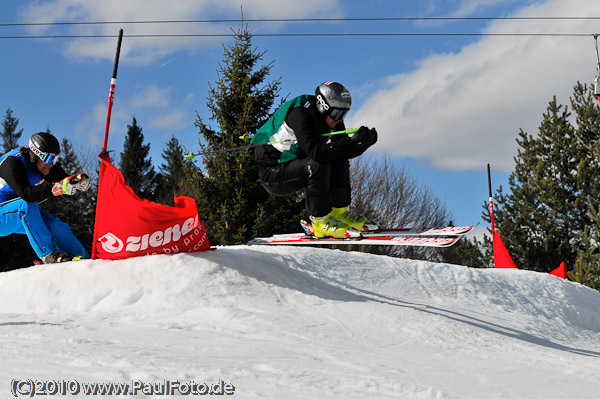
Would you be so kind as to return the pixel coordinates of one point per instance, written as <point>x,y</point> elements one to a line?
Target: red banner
<point>128,226</point>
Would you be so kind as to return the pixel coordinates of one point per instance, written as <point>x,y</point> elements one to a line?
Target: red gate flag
<point>560,271</point>
<point>502,259</point>
<point>128,226</point>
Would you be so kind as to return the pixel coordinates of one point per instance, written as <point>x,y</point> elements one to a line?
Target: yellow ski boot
<point>359,222</point>
<point>329,226</point>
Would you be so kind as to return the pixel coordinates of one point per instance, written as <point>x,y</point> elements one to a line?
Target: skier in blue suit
<point>29,175</point>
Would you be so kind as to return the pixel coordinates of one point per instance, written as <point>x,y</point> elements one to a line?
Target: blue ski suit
<point>22,186</point>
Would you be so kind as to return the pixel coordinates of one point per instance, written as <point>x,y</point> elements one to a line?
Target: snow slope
<point>280,322</point>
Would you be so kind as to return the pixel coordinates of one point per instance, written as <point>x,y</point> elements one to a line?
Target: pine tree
<point>10,135</point>
<point>172,172</point>
<point>535,219</point>
<point>543,218</point>
<point>587,266</point>
<point>231,201</point>
<point>68,159</point>
<point>136,165</point>
<point>587,120</point>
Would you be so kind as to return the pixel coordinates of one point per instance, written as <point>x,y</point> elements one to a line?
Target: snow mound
<point>186,281</point>
<point>305,322</point>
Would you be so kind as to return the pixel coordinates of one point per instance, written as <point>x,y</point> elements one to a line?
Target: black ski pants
<point>325,184</point>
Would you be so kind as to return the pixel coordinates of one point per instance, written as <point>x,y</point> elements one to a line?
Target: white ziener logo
<point>113,244</point>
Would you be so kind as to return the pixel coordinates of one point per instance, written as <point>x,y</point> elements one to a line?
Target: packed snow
<point>287,322</point>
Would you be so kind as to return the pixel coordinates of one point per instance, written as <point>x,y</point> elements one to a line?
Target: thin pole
<point>111,93</point>
<point>192,155</point>
<point>491,199</point>
<point>104,154</point>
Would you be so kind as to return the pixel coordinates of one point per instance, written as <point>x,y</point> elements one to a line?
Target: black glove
<point>365,137</point>
<point>373,135</point>
<point>362,137</point>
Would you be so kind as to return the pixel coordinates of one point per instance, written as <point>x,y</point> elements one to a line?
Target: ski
<point>426,237</point>
<point>450,231</point>
<point>303,239</point>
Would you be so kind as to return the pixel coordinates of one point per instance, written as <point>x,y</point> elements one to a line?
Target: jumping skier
<point>29,175</point>
<point>300,157</point>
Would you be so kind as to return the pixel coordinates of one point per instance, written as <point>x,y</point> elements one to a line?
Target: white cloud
<point>153,108</point>
<point>152,96</point>
<point>143,51</point>
<point>171,120</point>
<point>90,128</point>
<point>468,7</point>
<point>461,111</point>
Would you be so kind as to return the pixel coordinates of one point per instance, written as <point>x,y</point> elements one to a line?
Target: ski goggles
<point>49,158</point>
<point>338,114</point>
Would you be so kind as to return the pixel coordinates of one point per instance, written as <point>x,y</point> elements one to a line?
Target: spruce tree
<point>68,159</point>
<point>10,135</point>
<point>172,172</point>
<point>587,121</point>
<point>231,201</point>
<point>136,165</point>
<point>587,266</point>
<point>543,218</point>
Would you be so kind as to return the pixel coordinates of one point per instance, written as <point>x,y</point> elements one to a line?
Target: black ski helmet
<point>333,99</point>
<point>45,146</point>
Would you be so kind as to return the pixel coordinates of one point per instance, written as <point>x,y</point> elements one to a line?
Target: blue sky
<point>444,106</point>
